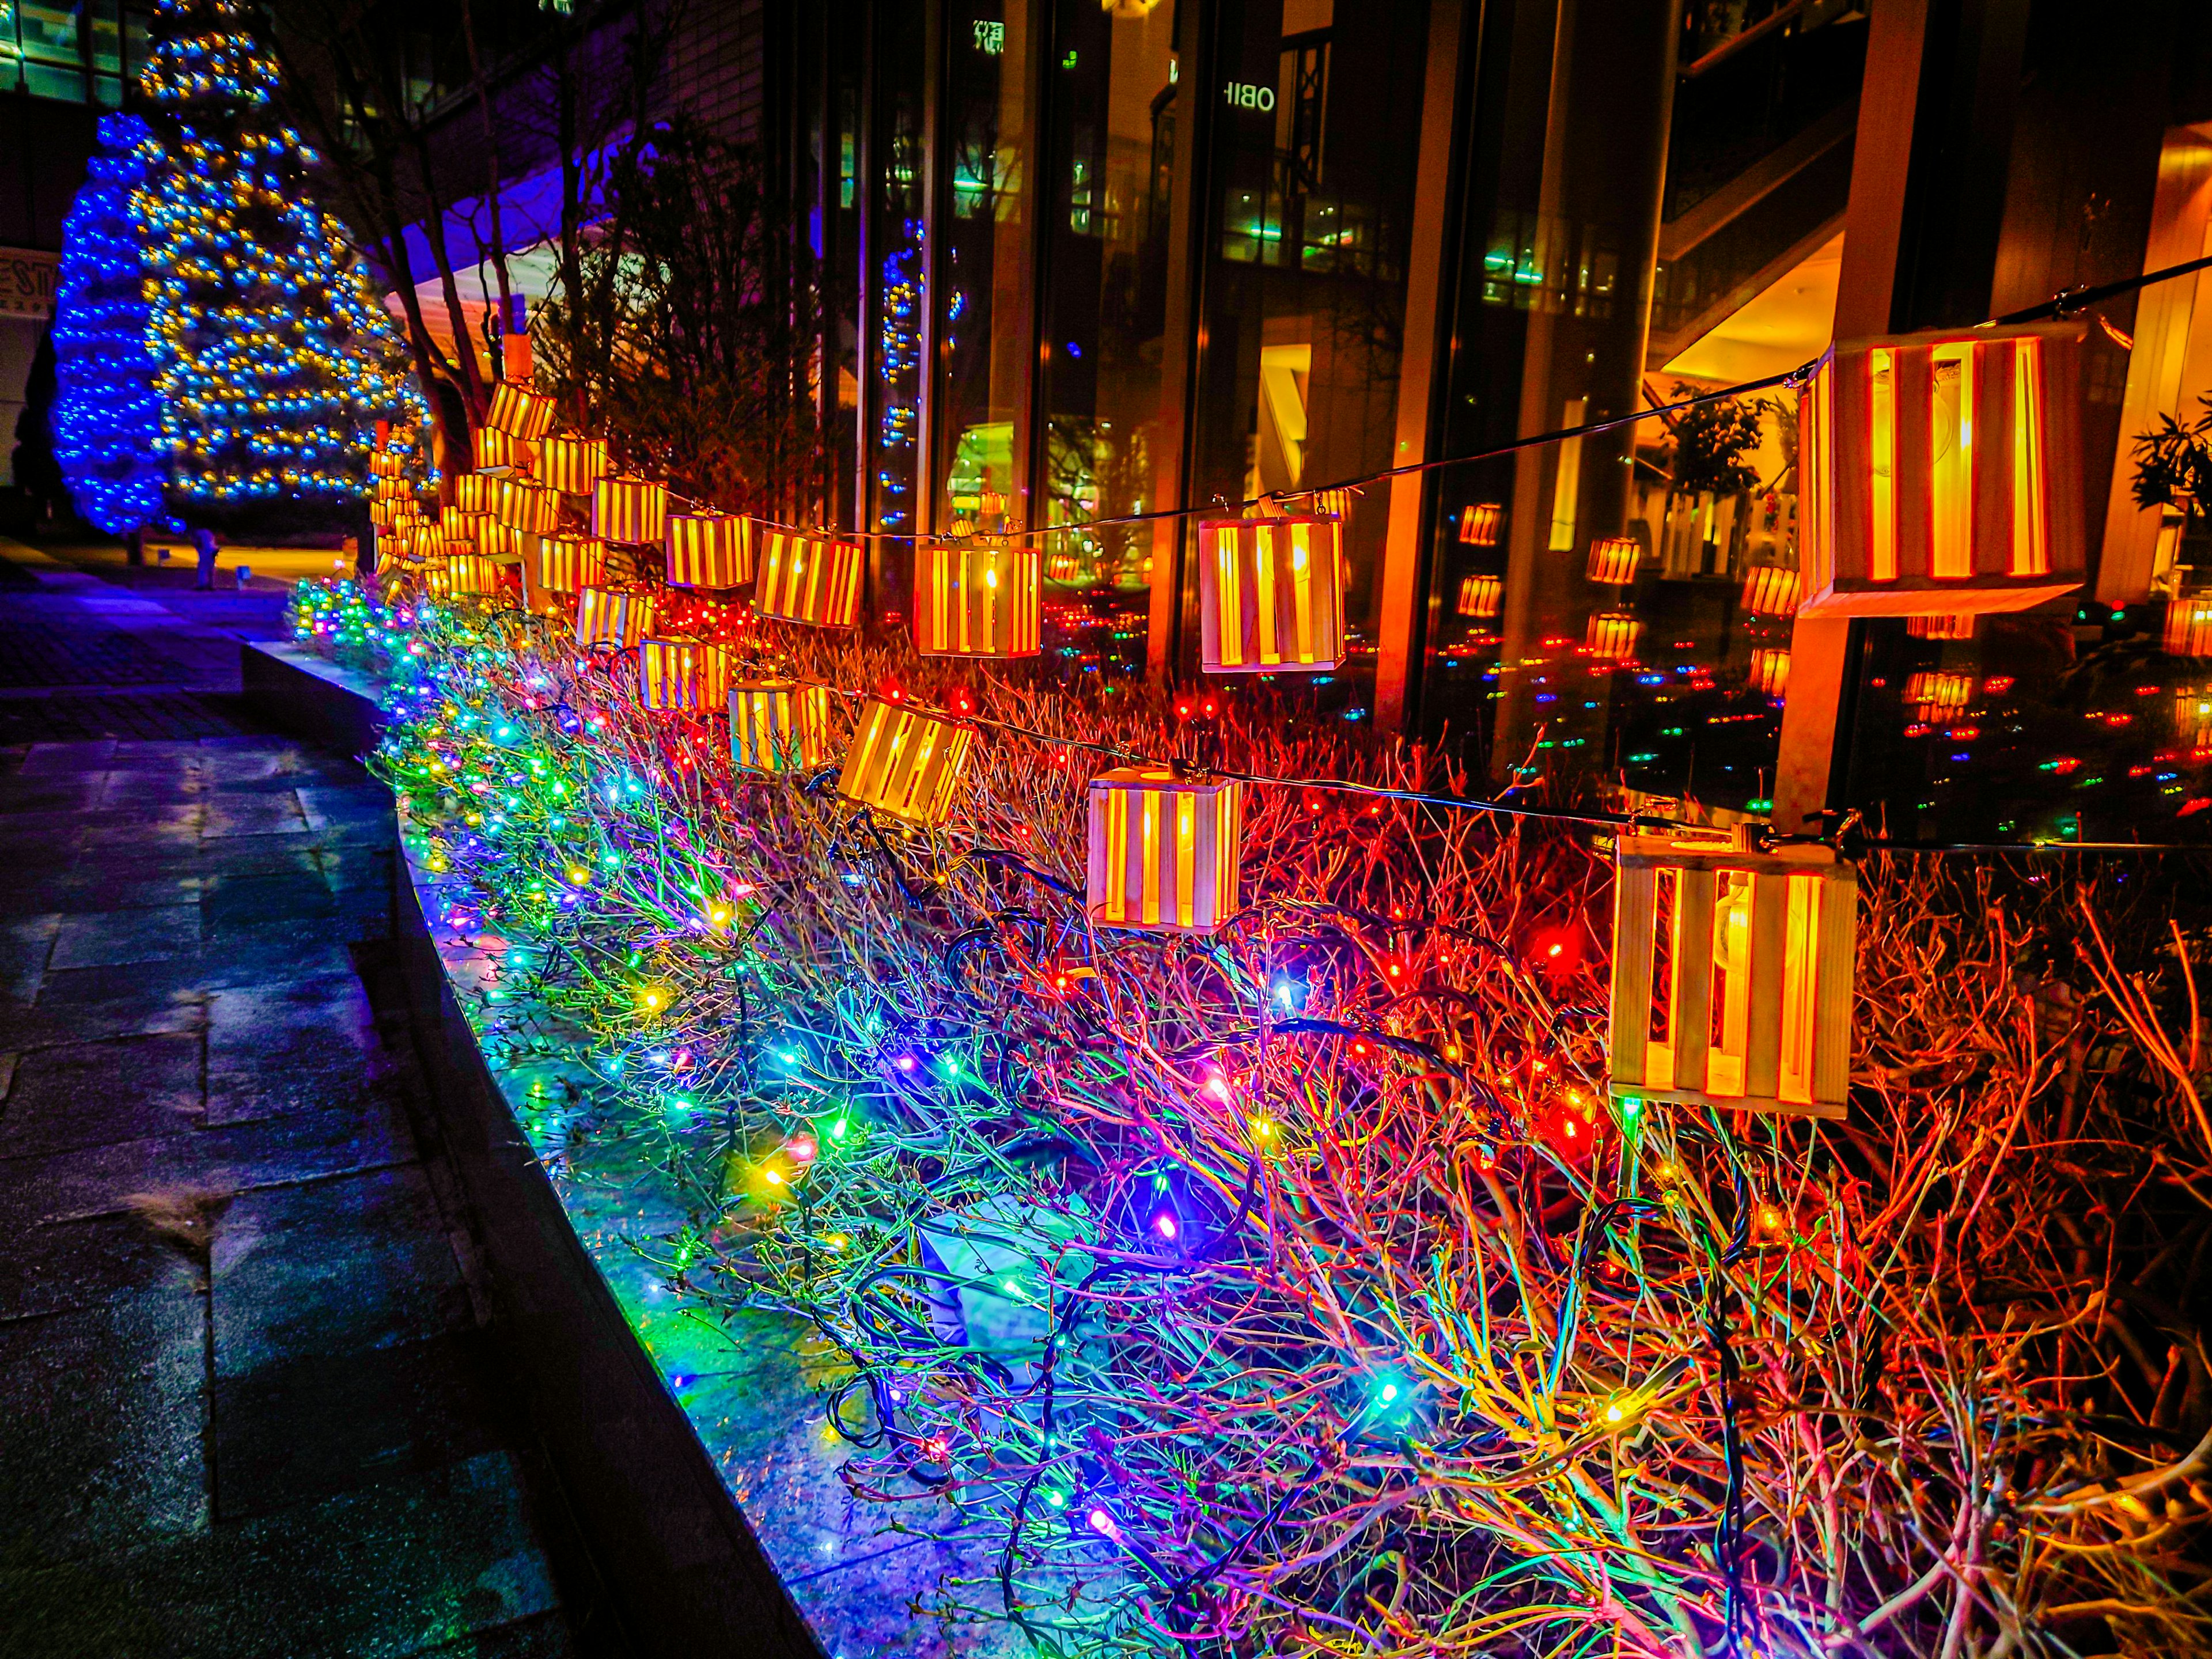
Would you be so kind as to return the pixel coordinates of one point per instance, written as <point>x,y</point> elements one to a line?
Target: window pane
<point>49,35</point>
<point>896,316</point>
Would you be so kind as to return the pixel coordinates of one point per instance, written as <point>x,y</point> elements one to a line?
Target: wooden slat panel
<point>1692,1026</point>
<point>1837,965</point>
<point>1634,905</point>
<point>1762,1056</point>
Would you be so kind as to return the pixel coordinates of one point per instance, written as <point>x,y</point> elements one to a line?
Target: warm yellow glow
<point>1951,460</point>
<point>1881,523</point>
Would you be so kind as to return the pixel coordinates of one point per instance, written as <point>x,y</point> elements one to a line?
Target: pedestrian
<point>204,544</point>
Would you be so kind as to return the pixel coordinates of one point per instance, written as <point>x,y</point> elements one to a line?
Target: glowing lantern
<point>573,465</point>
<point>386,464</point>
<point>492,536</point>
<point>459,529</point>
<point>607,615</point>
<point>628,510</point>
<point>475,573</point>
<point>2189,626</point>
<point>1164,850</point>
<point>476,492</point>
<point>1271,595</point>
<point>977,601</point>
<point>529,508</point>
<point>494,451</point>
<point>1479,525</point>
<point>1939,696</point>
<point>1754,1008</point>
<point>1770,671</point>
<point>2193,718</point>
<point>906,763</point>
<point>810,578</point>
<point>382,513</point>
<point>1940,472</point>
<point>437,582</point>
<point>1771,591</point>
<point>686,674</point>
<point>1613,635</point>
<point>1480,595</point>
<point>1941,628</point>
<point>710,549</point>
<point>1614,560</point>
<point>519,412</point>
<point>568,564</point>
<point>779,725</point>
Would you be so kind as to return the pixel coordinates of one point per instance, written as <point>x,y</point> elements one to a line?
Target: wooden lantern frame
<point>630,510</point>
<point>810,578</point>
<point>710,549</point>
<point>519,412</point>
<point>573,466</point>
<point>689,676</point>
<point>613,615</point>
<point>1166,851</point>
<point>978,600</point>
<point>779,725</point>
<point>906,762</point>
<point>1271,595</point>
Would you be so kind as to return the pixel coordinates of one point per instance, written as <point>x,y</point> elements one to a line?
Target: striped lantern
<point>1613,560</point>
<point>2193,718</point>
<point>630,510</point>
<point>710,549</point>
<point>1770,671</point>
<point>1480,596</point>
<point>383,513</point>
<point>608,616</point>
<point>529,508</point>
<point>1271,595</point>
<point>2189,626</point>
<point>568,564</point>
<point>1164,850</point>
<point>683,674</point>
<point>810,578</point>
<point>494,451</point>
<point>386,464</point>
<point>1938,697</point>
<point>905,762</point>
<point>779,725</point>
<point>437,578</point>
<point>1944,627</point>
<point>1749,1004</point>
<point>1941,471</point>
<point>573,465</point>
<point>493,535</point>
<point>519,412</point>
<point>458,527</point>
<point>978,601</point>
<point>476,573</point>
<point>1771,591</point>
<point>390,487</point>
<point>1479,525</point>
<point>1613,635</point>
<point>477,492</point>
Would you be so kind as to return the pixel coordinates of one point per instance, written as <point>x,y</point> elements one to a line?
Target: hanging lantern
<point>390,487</point>
<point>1330,503</point>
<point>573,465</point>
<point>496,537</point>
<point>977,601</point>
<point>527,506</point>
<point>386,464</point>
<point>381,514</point>
<point>779,725</point>
<point>476,573</point>
<point>1941,628</point>
<point>608,616</point>
<point>1271,595</point>
<point>519,412</point>
<point>476,492</point>
<point>1941,471</point>
<point>1939,696</point>
<point>630,510</point>
<point>437,580</point>
<point>1164,850</point>
<point>1752,1008</point>
<point>906,763</point>
<point>1613,635</point>
<point>1480,595</point>
<point>683,674</point>
<point>2189,626</point>
<point>495,451</point>
<point>710,549</point>
<point>568,564</point>
<point>2193,718</point>
<point>1769,591</point>
<point>462,528</point>
<point>1770,671</point>
<point>1614,560</point>
<point>1479,525</point>
<point>810,578</point>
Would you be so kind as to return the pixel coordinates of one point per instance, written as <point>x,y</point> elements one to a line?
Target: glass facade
<point>74,50</point>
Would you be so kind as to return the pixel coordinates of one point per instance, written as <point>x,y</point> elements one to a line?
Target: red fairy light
<point>1996,686</point>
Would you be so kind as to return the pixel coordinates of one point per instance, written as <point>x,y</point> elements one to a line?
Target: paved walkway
<point>248,1404</point>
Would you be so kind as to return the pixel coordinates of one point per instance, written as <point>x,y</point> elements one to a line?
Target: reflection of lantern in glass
<point>1164,850</point>
<point>1613,635</point>
<point>1941,628</point>
<point>494,451</point>
<point>779,725</point>
<point>633,510</point>
<point>710,549</point>
<point>1732,974</point>
<point>905,762</point>
<point>683,674</point>
<point>1271,595</point>
<point>476,492</point>
<point>519,412</point>
<point>529,508</point>
<point>1941,472</point>
<point>1771,591</point>
<point>2193,718</point>
<point>568,564</point>
<point>809,579</point>
<point>1613,560</point>
<point>977,601</point>
<point>1939,696</point>
<point>1480,595</point>
<point>573,466</point>
<point>607,615</point>
<point>1770,671</point>
<point>2189,626</point>
<point>1479,525</point>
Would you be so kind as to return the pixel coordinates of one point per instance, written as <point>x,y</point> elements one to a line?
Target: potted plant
<point>2173,473</point>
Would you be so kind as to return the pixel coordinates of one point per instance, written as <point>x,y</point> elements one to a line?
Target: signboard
<point>27,279</point>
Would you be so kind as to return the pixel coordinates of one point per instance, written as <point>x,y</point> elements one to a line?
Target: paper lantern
<point>519,412</point>
<point>683,674</point>
<point>1480,595</point>
<point>1941,628</point>
<point>1941,471</point>
<point>1732,975</point>
<point>607,616</point>
<point>529,508</point>
<point>573,465</point>
<point>1770,671</point>
<point>386,464</point>
<point>906,763</point>
<point>2192,718</point>
<point>1614,560</point>
<point>476,573</point>
<point>1613,635</point>
<point>1769,591</point>
<point>709,549</point>
<point>630,510</point>
<point>2189,626</point>
<point>1164,850</point>
<point>1939,696</point>
<point>1479,525</point>
<point>476,492</point>
<point>977,601</point>
<point>810,578</point>
<point>779,725</point>
<point>494,451</point>
<point>567,564</point>
<point>1271,595</point>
